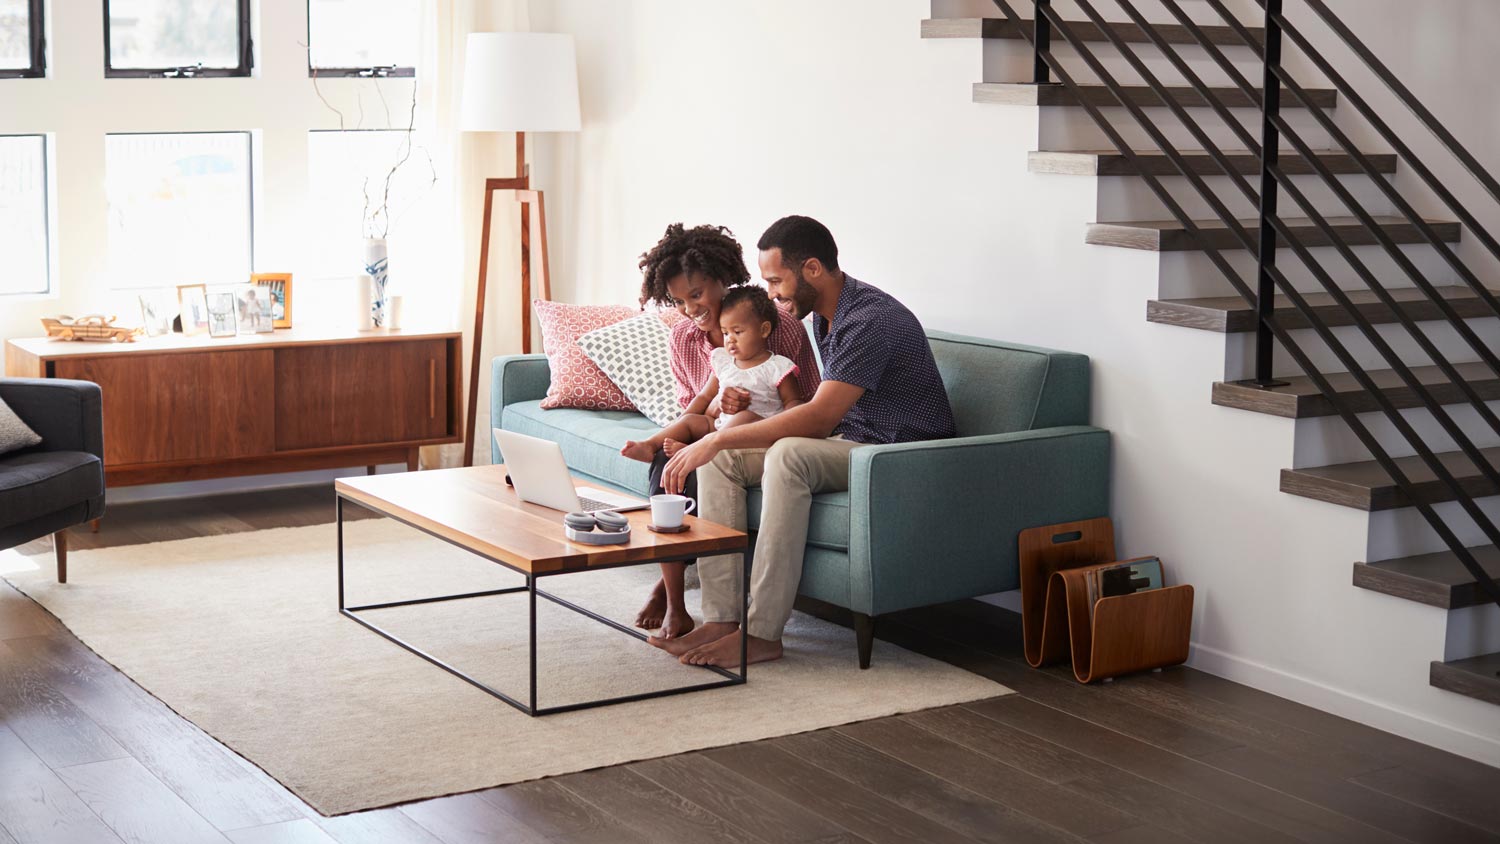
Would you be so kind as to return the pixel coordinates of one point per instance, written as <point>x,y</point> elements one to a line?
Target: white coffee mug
<point>667,510</point>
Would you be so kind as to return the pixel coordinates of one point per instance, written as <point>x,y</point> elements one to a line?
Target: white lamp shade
<point>520,82</point>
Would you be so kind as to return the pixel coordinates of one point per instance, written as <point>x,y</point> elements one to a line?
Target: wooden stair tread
<point>1026,94</point>
<point>1231,314</point>
<point>1366,486</point>
<point>1171,236</point>
<point>1001,28</point>
<point>1112,163</point>
<point>1437,579</point>
<point>1301,399</point>
<point>1476,677</point>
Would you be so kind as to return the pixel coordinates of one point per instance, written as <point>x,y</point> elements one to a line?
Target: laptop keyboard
<point>590,505</point>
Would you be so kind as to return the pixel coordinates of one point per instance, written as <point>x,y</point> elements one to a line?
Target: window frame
<point>47,220</point>
<point>38,43</point>
<point>246,53</point>
<point>250,209</point>
<point>379,72</point>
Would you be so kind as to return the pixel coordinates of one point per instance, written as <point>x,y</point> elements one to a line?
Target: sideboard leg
<point>369,470</point>
<point>413,459</point>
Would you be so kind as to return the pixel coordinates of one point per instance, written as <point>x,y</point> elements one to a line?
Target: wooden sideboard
<point>187,408</point>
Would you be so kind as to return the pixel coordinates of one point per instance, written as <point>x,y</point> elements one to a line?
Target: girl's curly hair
<point>710,250</point>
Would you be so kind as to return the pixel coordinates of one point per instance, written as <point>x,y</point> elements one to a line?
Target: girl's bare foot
<point>671,446</point>
<point>676,623</point>
<point>654,612</point>
<point>642,451</point>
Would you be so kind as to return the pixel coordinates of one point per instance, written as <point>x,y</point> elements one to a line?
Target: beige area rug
<point>240,634</point>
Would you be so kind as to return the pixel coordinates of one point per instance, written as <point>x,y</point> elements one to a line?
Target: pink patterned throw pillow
<point>576,380</point>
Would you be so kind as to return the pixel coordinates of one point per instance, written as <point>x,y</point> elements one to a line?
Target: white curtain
<point>447,250</point>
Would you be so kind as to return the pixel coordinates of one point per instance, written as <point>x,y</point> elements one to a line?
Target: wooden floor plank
<point>205,774</point>
<point>978,773</point>
<point>136,805</point>
<point>561,815</point>
<point>300,831</point>
<point>956,808</point>
<point>1471,803</point>
<point>650,809</point>
<point>55,730</point>
<point>38,808</point>
<point>866,813</point>
<point>470,819</point>
<point>1267,806</point>
<point>1398,817</point>
<point>377,826</point>
<point>760,811</point>
<point>21,617</point>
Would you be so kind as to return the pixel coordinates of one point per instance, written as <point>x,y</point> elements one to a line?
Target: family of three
<point>757,412</point>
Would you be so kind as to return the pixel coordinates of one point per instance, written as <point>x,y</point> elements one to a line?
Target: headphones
<point>608,521</point>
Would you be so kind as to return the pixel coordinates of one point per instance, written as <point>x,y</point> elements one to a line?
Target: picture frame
<point>156,312</point>
<point>278,289</point>
<point>252,310</point>
<point>192,306</point>
<point>222,319</point>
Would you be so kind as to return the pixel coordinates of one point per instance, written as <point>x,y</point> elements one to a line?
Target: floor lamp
<point>515,82</point>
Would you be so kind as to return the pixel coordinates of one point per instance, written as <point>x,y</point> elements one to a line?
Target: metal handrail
<point>1267,318</point>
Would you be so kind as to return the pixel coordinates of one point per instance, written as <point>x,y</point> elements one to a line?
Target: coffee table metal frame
<point>730,678</point>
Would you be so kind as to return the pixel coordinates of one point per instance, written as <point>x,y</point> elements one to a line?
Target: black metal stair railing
<point>1274,232</point>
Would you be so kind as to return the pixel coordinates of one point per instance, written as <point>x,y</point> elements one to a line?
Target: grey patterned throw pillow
<point>13,432</point>
<point>634,354</point>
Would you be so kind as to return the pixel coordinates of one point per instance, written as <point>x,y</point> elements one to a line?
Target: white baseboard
<point>1347,704</point>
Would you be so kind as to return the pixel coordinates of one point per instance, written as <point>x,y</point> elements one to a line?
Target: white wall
<point>738,113</point>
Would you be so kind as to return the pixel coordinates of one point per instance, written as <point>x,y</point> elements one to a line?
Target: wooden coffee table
<point>474,509</point>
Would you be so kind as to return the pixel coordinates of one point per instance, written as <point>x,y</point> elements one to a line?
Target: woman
<point>690,270</point>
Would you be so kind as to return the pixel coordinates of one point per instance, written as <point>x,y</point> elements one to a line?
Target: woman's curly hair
<point>710,250</point>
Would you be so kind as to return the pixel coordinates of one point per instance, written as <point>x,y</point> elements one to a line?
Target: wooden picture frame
<point>192,306</point>
<point>279,287</point>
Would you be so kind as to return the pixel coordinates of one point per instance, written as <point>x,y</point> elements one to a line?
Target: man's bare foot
<point>705,634</point>
<point>642,451</point>
<point>725,652</point>
<point>676,624</point>
<point>671,446</point>
<point>651,615</point>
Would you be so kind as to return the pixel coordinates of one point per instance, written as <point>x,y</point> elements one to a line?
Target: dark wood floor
<point>86,755</point>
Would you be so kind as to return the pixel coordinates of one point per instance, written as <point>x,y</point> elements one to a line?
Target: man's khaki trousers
<point>789,473</point>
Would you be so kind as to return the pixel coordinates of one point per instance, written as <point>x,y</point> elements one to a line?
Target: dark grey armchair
<point>60,483</point>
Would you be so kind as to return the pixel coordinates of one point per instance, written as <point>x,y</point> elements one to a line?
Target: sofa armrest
<point>938,521</point>
<point>513,379</point>
<point>67,415</point>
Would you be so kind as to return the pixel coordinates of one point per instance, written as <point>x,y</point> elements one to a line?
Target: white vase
<point>364,293</point>
<point>377,267</point>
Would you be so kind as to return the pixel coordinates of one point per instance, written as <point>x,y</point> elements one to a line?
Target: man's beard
<point>804,297</point>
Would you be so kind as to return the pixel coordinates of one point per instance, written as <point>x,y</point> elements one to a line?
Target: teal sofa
<point>922,522</point>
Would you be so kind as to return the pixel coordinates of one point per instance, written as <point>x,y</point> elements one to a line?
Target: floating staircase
<point>1440,579</point>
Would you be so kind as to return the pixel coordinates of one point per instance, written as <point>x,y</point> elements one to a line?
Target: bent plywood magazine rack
<point>1126,633</point>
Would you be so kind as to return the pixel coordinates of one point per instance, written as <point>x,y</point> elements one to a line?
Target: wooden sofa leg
<point>864,631</point>
<point>60,546</point>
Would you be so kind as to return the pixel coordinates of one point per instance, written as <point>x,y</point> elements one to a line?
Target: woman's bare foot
<point>671,446</point>
<point>676,623</point>
<point>725,651</point>
<point>642,451</point>
<point>651,615</point>
<point>706,633</point>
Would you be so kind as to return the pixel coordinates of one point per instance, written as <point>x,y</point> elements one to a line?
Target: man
<point>880,385</point>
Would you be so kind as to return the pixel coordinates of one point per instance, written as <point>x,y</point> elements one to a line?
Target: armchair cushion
<point>67,415</point>
<point>36,483</point>
<point>14,435</point>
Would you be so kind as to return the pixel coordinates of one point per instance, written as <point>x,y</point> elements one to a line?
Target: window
<point>176,38</point>
<point>24,230</point>
<point>363,37</point>
<point>179,208</point>
<point>21,39</point>
<point>348,200</point>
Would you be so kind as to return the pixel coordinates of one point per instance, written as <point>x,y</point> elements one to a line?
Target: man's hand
<point>686,461</point>
<point>734,401</point>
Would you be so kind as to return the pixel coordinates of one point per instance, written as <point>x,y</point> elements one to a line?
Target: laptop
<point>540,476</point>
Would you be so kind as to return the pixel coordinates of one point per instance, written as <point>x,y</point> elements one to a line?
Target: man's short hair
<point>800,238</point>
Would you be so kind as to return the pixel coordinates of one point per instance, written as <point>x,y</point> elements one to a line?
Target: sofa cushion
<point>36,483</point>
<point>591,440</point>
<point>827,524</point>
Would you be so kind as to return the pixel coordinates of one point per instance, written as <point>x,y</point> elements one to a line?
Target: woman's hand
<point>686,461</point>
<point>734,400</point>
